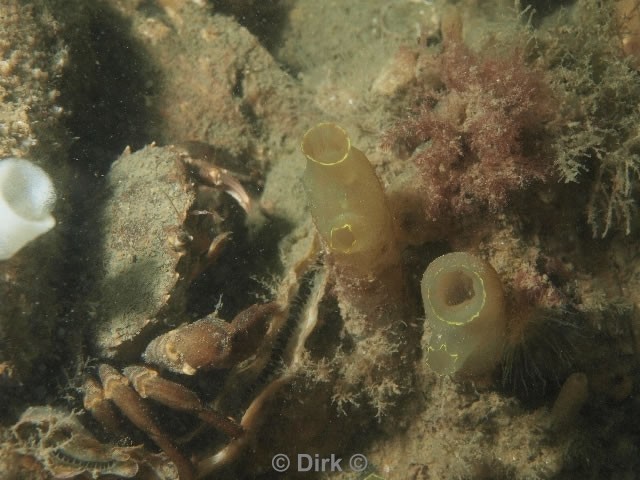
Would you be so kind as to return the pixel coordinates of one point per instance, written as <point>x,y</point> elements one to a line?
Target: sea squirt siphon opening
<point>342,238</point>
<point>326,144</point>
<point>456,294</point>
<point>458,288</point>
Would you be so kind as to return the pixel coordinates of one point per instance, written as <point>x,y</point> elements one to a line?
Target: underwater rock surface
<point>507,135</point>
<point>33,59</point>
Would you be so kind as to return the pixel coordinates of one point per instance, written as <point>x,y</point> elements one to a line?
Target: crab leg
<point>149,384</point>
<point>101,408</point>
<point>118,390</point>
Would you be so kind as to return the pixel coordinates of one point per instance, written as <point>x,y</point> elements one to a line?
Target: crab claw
<point>221,178</point>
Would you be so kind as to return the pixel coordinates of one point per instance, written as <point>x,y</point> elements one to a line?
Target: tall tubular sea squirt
<point>347,202</point>
<point>465,309</point>
<point>350,212</point>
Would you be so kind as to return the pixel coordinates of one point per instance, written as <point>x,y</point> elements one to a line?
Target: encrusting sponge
<point>26,199</point>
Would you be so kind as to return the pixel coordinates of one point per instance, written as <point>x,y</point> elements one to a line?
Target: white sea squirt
<point>27,196</point>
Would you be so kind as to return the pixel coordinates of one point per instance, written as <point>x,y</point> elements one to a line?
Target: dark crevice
<point>103,91</point>
<point>263,18</point>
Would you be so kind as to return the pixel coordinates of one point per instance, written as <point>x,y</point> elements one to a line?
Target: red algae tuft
<point>477,134</point>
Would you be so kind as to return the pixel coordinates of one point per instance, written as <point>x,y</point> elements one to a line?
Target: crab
<point>207,344</point>
<point>169,217</point>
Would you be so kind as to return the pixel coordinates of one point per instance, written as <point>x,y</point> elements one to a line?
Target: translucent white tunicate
<point>26,199</point>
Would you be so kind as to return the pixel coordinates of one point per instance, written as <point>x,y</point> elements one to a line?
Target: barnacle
<point>465,309</point>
